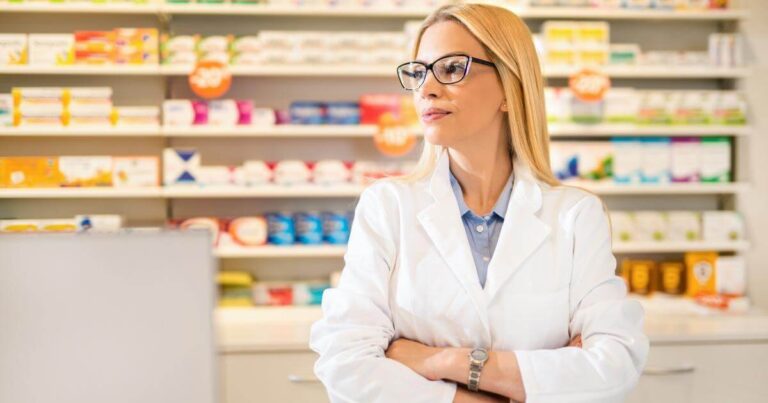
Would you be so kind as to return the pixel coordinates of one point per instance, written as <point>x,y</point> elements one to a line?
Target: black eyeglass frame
<point>470,60</point>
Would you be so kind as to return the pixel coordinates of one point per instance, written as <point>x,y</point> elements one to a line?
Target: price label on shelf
<point>589,85</point>
<point>393,138</point>
<point>210,79</point>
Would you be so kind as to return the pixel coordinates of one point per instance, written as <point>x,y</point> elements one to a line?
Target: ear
<point>503,107</point>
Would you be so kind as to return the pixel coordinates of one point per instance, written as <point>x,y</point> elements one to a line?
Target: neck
<point>482,176</point>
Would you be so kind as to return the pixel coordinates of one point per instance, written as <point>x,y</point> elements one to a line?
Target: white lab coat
<point>409,273</point>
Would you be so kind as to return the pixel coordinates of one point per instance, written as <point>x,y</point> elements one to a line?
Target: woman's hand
<point>418,357</point>
<point>575,341</point>
<point>436,363</point>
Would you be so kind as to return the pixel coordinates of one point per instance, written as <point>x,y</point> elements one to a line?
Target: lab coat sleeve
<point>356,328</point>
<point>614,348</point>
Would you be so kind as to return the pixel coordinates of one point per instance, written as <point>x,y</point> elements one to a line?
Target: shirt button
<point>480,228</point>
<point>485,258</point>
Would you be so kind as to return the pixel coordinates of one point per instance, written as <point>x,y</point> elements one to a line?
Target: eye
<point>454,67</point>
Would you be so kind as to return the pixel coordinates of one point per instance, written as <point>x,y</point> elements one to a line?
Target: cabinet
<point>270,377</point>
<point>704,372</point>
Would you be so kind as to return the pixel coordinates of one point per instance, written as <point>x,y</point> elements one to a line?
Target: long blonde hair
<point>508,41</point>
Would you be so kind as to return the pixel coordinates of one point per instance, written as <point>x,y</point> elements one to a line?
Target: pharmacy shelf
<point>138,131</point>
<point>81,193</point>
<point>316,191</point>
<point>79,70</point>
<point>628,14</point>
<point>358,131</point>
<point>371,71</point>
<point>235,252</point>
<point>293,11</point>
<point>269,251</point>
<point>610,188</point>
<point>293,70</point>
<point>79,8</point>
<point>385,71</point>
<point>610,130</point>
<point>192,192</point>
<point>274,131</point>
<point>671,246</point>
<point>659,72</point>
<point>366,12</point>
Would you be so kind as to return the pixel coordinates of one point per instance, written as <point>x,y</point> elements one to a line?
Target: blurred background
<point>260,121</point>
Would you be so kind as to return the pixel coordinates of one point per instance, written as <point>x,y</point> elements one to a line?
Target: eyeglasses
<point>447,70</point>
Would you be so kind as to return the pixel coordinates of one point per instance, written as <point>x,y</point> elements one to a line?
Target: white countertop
<point>287,329</point>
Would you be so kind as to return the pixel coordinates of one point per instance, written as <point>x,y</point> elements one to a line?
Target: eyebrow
<point>457,53</point>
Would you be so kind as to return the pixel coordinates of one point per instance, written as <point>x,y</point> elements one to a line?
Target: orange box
<point>29,172</point>
<point>701,273</point>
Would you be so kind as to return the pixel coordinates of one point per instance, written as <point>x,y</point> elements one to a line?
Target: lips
<point>433,114</point>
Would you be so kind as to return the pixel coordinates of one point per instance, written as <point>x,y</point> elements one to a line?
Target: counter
<point>287,329</point>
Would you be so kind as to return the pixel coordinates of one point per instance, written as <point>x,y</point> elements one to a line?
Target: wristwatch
<point>477,359</point>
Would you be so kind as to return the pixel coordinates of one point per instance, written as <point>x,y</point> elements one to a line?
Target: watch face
<point>479,355</point>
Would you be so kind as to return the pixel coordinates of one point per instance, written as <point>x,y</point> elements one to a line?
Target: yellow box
<point>701,273</point>
<point>29,172</point>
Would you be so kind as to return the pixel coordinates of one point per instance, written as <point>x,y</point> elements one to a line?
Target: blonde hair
<point>508,41</point>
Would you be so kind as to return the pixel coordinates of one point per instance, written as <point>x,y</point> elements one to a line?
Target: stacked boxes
<point>71,107</point>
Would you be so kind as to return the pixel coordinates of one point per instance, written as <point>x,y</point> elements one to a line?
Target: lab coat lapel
<point>442,222</point>
<point>521,232</point>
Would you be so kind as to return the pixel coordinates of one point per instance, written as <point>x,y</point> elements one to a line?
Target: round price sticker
<point>393,138</point>
<point>589,85</point>
<point>210,79</point>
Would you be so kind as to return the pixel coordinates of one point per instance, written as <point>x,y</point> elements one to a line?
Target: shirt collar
<point>500,208</point>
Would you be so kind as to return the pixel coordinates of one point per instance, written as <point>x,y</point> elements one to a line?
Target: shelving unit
<point>372,71</point>
<point>338,191</point>
<point>333,251</point>
<point>358,12</point>
<point>361,131</point>
<point>266,142</point>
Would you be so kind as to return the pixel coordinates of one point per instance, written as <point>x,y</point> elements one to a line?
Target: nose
<point>431,88</point>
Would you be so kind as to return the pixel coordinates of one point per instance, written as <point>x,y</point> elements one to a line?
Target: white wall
<point>754,204</point>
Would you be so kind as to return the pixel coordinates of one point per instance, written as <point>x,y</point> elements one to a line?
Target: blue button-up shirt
<point>483,232</point>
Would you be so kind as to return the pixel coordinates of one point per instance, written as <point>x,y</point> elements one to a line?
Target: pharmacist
<point>478,278</point>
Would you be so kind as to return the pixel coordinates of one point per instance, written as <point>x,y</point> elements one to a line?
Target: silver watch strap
<point>473,383</point>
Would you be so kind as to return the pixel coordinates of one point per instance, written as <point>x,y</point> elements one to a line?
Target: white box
<point>178,112</point>
<point>683,226</point>
<point>223,112</point>
<point>722,226</point>
<point>627,159</point>
<point>215,175</point>
<point>51,49</point>
<point>180,166</point>
<point>137,116</point>
<point>731,275</point>
<point>650,226</point>
<point>86,171</point>
<point>623,226</point>
<point>657,160</point>
<point>715,159</point>
<point>621,105</point>
<point>13,49</point>
<point>135,172</point>
<point>99,223</point>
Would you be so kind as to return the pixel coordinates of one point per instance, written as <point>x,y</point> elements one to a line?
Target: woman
<point>478,268</point>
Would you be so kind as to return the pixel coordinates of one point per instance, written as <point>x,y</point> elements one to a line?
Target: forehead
<point>448,37</point>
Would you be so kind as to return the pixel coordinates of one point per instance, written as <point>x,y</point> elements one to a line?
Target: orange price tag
<point>393,138</point>
<point>589,85</point>
<point>210,79</point>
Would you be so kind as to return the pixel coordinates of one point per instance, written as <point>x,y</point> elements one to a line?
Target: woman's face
<point>468,110</point>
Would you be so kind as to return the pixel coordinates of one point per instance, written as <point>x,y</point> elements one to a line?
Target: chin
<point>437,137</point>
